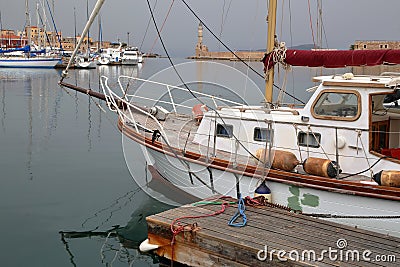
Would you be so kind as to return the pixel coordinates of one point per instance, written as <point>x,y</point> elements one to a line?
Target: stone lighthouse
<point>201,49</point>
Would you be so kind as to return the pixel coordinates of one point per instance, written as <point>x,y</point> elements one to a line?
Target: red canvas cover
<point>336,58</point>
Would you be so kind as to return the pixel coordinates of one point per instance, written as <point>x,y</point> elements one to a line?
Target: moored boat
<point>25,57</point>
<point>130,56</point>
<point>336,157</point>
<point>110,56</point>
<point>83,62</point>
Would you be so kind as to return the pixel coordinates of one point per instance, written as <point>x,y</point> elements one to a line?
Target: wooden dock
<point>271,237</point>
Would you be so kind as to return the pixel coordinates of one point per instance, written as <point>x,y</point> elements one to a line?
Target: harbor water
<point>67,197</point>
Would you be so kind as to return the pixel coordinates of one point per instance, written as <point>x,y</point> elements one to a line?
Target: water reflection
<point>28,87</point>
<point>115,71</point>
<point>119,244</point>
<point>34,84</point>
<point>3,104</point>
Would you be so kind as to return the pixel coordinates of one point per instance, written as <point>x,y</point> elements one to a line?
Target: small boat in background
<point>85,62</point>
<point>130,56</point>
<point>25,57</point>
<point>110,56</point>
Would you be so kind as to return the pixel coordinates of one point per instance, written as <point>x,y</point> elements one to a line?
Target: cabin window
<point>309,139</point>
<point>262,134</point>
<point>225,130</point>
<point>337,105</point>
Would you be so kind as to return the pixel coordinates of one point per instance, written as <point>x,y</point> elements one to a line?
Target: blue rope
<point>239,213</point>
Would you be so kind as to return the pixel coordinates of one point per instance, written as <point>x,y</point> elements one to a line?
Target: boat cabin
<point>346,120</point>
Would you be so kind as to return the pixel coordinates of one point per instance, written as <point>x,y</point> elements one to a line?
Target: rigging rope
<point>224,18</point>
<point>365,152</point>
<point>147,28</point>
<point>162,26</point>
<point>369,168</point>
<point>311,24</point>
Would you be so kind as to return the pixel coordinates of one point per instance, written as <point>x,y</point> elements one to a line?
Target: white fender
<point>145,246</point>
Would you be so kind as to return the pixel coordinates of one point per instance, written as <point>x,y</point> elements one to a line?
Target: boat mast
<point>27,22</point>
<point>93,15</point>
<point>75,29</point>
<point>271,20</point>
<point>88,33</point>
<point>39,40</point>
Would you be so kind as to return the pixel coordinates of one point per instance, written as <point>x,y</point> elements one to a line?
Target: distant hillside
<point>298,47</point>
<point>303,47</point>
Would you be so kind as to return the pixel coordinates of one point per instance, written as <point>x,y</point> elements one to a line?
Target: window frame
<point>314,135</point>
<point>226,127</point>
<point>330,117</point>
<point>267,135</point>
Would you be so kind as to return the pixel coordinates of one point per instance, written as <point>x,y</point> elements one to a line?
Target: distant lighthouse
<point>201,49</point>
<point>200,34</point>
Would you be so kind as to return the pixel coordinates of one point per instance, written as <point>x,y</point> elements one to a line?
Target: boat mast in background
<point>95,11</point>
<point>39,39</point>
<point>75,28</point>
<point>28,21</point>
<point>271,20</point>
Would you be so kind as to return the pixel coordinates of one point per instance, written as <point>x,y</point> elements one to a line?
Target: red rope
<point>176,229</point>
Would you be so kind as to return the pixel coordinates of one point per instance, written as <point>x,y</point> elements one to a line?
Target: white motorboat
<point>130,56</point>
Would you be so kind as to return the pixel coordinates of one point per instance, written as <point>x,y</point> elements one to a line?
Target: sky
<point>241,24</point>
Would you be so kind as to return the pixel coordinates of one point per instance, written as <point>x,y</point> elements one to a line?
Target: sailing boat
<point>337,157</point>
<point>27,57</point>
<point>86,61</point>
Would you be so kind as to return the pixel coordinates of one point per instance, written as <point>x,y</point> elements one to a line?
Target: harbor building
<point>9,39</point>
<point>375,45</point>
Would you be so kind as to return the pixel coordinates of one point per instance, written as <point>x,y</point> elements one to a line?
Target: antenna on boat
<point>93,15</point>
<point>271,20</point>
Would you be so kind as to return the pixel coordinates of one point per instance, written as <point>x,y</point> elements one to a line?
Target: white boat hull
<point>29,62</point>
<point>86,65</point>
<point>308,200</point>
<point>130,61</point>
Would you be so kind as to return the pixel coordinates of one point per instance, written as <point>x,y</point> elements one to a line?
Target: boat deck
<point>209,241</point>
<point>180,130</point>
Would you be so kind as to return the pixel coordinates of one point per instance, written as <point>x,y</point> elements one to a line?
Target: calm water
<point>62,169</point>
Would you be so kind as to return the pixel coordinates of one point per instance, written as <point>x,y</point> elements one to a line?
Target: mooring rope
<point>239,213</point>
<point>177,227</point>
